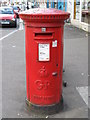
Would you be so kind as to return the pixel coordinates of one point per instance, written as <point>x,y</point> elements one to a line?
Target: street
<point>13,74</point>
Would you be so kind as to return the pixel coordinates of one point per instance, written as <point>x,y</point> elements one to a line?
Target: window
<point>85,11</point>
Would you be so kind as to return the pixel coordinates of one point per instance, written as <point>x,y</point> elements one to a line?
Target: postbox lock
<point>43,29</point>
<point>54,74</point>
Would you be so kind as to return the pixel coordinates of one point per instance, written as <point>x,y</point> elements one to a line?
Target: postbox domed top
<point>44,14</point>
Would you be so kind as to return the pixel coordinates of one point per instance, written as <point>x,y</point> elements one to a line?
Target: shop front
<point>80,13</point>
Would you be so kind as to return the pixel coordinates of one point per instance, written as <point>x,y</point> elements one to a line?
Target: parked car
<point>7,17</point>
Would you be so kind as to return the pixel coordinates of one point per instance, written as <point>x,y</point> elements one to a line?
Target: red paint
<point>44,78</point>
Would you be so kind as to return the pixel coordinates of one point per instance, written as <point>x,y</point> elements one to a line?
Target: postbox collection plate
<point>44,52</point>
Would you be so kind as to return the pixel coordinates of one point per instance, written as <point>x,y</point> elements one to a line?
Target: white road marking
<point>83,91</point>
<point>8,35</point>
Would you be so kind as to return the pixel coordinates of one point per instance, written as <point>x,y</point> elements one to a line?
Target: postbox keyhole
<point>57,65</point>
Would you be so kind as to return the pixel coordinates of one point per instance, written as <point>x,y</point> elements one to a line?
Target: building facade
<point>79,10</point>
<point>80,13</point>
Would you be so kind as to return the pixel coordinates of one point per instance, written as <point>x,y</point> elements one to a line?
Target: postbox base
<point>49,109</point>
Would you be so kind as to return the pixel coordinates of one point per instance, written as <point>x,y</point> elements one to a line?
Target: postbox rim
<point>44,14</point>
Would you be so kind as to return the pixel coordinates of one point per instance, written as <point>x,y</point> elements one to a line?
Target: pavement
<point>13,75</point>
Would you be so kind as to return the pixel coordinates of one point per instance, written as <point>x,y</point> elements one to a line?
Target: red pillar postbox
<point>44,55</point>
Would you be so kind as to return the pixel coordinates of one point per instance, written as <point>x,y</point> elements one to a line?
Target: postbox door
<point>44,67</point>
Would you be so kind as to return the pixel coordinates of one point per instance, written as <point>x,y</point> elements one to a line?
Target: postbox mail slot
<point>46,35</point>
